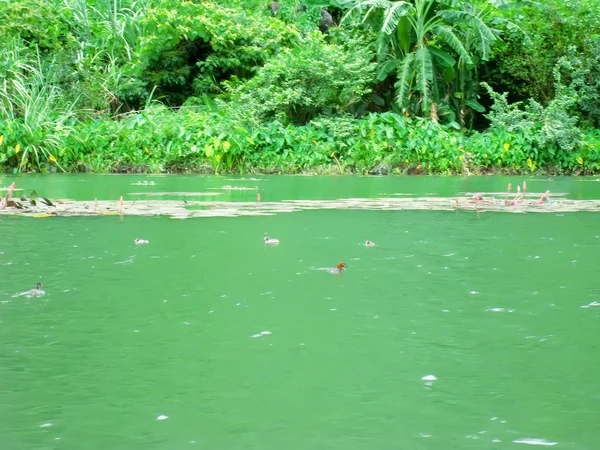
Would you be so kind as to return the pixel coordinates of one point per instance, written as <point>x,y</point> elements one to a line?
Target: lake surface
<point>206,338</point>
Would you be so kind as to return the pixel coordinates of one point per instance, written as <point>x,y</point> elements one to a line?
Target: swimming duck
<point>36,291</point>
<point>270,241</point>
<point>339,269</point>
<point>141,241</point>
<point>369,244</point>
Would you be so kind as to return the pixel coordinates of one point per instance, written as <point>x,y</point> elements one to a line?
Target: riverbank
<point>191,140</point>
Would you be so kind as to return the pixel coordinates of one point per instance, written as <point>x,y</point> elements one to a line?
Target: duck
<point>270,241</point>
<point>339,269</point>
<point>141,241</point>
<point>369,244</point>
<point>34,292</point>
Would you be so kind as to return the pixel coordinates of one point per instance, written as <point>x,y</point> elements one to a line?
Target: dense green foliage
<point>380,86</point>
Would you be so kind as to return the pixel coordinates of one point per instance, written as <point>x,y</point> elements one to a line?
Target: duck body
<point>338,269</point>
<point>271,241</point>
<point>369,244</point>
<point>35,292</point>
<point>141,241</point>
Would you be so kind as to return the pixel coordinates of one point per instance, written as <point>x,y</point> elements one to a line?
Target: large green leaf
<point>448,35</point>
<point>404,34</point>
<point>443,58</point>
<point>472,103</point>
<point>424,68</point>
<point>386,68</point>
<point>405,73</point>
<point>393,15</point>
<point>480,32</point>
<point>449,74</point>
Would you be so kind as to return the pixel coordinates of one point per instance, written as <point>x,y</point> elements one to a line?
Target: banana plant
<point>423,43</point>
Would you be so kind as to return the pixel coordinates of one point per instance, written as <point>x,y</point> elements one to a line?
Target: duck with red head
<point>339,269</point>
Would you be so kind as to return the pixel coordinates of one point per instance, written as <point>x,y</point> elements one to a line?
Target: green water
<point>489,305</point>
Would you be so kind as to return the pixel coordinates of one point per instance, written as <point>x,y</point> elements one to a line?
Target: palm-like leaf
<point>485,35</point>
<point>424,67</point>
<point>370,5</point>
<point>405,73</point>
<point>393,15</point>
<point>448,35</point>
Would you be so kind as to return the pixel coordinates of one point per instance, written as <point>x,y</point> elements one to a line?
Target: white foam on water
<point>496,440</point>
<point>474,292</point>
<point>445,310</point>
<point>500,310</point>
<point>261,334</point>
<point>45,425</point>
<point>534,442</point>
<point>162,417</point>
<point>589,305</point>
<point>429,378</point>
<point>333,309</point>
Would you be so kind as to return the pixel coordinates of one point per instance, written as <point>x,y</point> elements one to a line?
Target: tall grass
<point>35,114</point>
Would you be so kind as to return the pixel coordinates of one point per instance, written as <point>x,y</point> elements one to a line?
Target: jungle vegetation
<point>367,86</point>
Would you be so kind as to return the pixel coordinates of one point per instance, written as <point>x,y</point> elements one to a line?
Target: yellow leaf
<point>1,138</point>
<point>406,161</point>
<point>17,148</point>
<point>580,160</point>
<point>332,154</point>
<point>485,155</point>
<point>226,145</point>
<point>529,162</point>
<point>147,151</point>
<point>419,166</point>
<point>506,146</point>
<point>460,157</point>
<point>429,166</point>
<point>52,158</point>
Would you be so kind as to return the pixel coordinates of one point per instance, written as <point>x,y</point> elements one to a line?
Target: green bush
<point>304,82</point>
